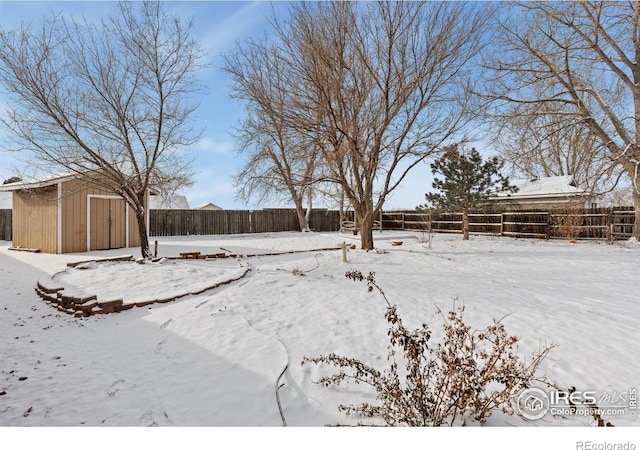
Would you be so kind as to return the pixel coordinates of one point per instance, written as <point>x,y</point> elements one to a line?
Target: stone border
<point>54,293</point>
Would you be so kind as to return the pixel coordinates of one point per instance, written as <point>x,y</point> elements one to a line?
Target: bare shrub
<point>464,378</point>
<point>567,222</point>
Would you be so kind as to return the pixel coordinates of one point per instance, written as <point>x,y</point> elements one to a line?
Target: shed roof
<point>46,181</point>
<point>38,183</point>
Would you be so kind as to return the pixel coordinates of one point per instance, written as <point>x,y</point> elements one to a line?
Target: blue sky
<point>218,26</point>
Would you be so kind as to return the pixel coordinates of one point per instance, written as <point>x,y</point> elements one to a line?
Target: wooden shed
<point>70,214</point>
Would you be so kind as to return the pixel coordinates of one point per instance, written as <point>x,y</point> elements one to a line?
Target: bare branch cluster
<point>371,89</point>
<point>566,80</point>
<point>110,101</point>
<point>464,378</point>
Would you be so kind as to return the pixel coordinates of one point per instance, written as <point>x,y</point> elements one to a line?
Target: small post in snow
<point>155,249</point>
<point>344,247</point>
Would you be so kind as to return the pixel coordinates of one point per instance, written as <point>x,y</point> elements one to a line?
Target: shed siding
<point>35,215</point>
<point>74,218</point>
<point>99,227</point>
<point>134,234</point>
<point>74,214</point>
<point>107,223</point>
<point>35,218</point>
<point>118,223</point>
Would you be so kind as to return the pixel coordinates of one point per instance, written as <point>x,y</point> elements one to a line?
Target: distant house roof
<point>173,202</point>
<point>209,206</point>
<point>545,187</point>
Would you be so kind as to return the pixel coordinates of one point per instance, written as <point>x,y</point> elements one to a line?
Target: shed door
<point>108,223</point>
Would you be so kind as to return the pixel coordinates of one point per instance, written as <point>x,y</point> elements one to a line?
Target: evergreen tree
<point>12,180</point>
<point>467,182</point>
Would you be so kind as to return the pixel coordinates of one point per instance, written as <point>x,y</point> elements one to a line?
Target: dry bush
<point>567,222</point>
<point>464,378</point>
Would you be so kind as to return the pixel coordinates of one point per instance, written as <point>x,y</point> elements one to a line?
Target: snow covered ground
<point>214,359</point>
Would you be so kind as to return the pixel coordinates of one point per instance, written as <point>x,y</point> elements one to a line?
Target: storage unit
<point>70,214</point>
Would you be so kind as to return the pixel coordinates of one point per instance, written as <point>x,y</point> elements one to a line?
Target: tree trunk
<point>142,230</point>
<point>307,216</point>
<point>366,234</point>
<point>302,222</point>
<point>636,205</point>
<point>465,225</point>
<point>365,214</point>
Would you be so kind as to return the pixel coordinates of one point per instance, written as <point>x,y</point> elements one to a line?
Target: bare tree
<point>280,161</point>
<point>580,60</point>
<point>274,170</point>
<point>375,87</point>
<point>535,147</point>
<point>381,86</point>
<point>108,101</point>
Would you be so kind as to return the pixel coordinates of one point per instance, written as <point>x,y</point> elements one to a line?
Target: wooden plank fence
<point>596,223</point>
<point>5,224</point>
<point>185,222</point>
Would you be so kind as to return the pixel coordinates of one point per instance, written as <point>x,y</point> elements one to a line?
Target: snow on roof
<point>173,202</point>
<point>545,187</point>
<point>38,182</point>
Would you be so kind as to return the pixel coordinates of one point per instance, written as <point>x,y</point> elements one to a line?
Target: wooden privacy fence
<point>185,222</point>
<point>596,223</point>
<point>599,223</point>
<point>5,224</point>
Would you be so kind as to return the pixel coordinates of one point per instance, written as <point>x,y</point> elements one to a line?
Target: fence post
<point>502,224</point>
<point>609,224</point>
<point>548,227</point>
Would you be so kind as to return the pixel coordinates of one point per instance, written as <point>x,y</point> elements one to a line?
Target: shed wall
<point>74,217</point>
<point>134,234</point>
<point>35,219</point>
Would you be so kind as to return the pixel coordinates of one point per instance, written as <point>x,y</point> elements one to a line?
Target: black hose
<point>278,386</point>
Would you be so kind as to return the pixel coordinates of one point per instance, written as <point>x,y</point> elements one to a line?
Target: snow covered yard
<point>214,359</point>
